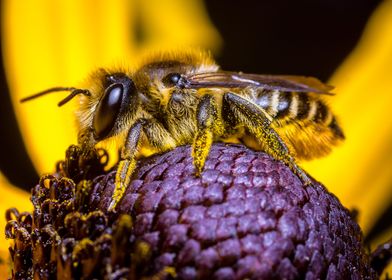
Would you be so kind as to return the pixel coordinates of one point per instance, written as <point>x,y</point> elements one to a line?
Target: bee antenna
<point>74,92</point>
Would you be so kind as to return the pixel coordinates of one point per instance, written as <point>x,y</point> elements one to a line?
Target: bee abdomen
<point>281,104</point>
<point>323,114</point>
<point>306,108</point>
<point>337,131</point>
<point>275,103</point>
<point>294,106</point>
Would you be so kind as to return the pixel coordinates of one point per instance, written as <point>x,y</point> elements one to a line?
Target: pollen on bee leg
<point>123,178</point>
<point>201,148</point>
<point>207,125</point>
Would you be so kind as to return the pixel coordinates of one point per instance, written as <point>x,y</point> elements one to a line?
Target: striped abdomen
<point>287,107</point>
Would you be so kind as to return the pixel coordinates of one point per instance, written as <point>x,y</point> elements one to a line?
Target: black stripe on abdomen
<point>322,112</point>
<point>303,106</point>
<point>334,126</point>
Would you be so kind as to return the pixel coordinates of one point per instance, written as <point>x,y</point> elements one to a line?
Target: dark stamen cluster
<point>247,217</point>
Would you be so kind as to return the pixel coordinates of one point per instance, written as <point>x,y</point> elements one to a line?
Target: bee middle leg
<point>208,124</point>
<point>156,135</point>
<point>258,122</point>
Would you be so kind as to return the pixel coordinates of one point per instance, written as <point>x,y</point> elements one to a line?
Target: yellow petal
<point>10,197</point>
<point>359,172</point>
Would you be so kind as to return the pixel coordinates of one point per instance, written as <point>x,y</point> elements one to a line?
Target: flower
<point>247,216</point>
<point>358,172</point>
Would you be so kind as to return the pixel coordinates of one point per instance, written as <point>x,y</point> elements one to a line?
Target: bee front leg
<point>86,141</point>
<point>157,136</point>
<point>258,122</point>
<point>86,145</point>
<point>208,124</point>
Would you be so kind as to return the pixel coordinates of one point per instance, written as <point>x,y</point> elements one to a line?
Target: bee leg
<point>86,141</point>
<point>257,121</point>
<point>156,135</point>
<point>127,163</point>
<point>207,124</point>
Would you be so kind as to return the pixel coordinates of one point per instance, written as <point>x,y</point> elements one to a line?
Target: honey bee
<point>182,97</point>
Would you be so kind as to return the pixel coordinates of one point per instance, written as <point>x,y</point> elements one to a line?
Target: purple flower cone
<point>247,217</point>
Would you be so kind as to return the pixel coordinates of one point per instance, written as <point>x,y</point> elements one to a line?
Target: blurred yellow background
<point>57,43</point>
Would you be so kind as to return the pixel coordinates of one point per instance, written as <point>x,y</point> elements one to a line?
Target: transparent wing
<point>272,82</point>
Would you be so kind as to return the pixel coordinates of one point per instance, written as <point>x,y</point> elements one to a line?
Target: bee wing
<point>272,82</point>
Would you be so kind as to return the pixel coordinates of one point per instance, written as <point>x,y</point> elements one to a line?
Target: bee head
<point>119,100</point>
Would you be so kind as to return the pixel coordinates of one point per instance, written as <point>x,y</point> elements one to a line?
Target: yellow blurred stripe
<point>169,23</point>
<point>360,171</point>
<point>10,197</point>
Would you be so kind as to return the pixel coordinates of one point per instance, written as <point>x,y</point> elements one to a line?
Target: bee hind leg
<point>258,122</point>
<point>208,124</point>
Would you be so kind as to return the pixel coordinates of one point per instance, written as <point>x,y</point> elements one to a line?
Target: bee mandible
<point>182,97</point>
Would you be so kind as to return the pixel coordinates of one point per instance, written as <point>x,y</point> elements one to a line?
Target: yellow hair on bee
<point>88,104</point>
<point>308,140</point>
<point>185,55</point>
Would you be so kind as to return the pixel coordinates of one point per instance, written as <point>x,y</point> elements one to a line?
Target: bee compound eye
<point>172,79</point>
<point>108,110</point>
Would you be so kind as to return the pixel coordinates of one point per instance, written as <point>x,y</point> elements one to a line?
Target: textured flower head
<point>247,217</point>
